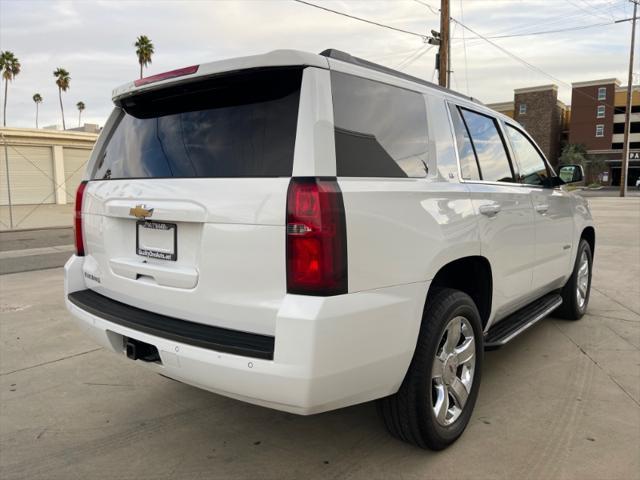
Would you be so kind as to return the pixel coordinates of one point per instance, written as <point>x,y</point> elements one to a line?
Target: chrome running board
<point>516,323</point>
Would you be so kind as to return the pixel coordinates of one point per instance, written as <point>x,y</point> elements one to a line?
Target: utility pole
<point>627,113</point>
<point>443,63</point>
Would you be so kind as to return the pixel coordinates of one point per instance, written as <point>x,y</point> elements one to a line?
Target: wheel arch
<point>471,275</point>
<point>589,234</point>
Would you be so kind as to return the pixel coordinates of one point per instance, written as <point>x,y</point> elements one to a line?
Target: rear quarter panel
<point>403,230</point>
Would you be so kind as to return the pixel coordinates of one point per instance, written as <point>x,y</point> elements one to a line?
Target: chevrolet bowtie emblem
<point>141,212</point>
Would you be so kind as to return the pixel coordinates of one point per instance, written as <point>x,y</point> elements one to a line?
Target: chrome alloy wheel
<point>452,372</point>
<point>582,284</point>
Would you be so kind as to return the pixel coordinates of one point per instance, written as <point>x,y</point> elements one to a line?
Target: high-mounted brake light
<point>77,223</point>
<point>166,75</point>
<point>316,237</point>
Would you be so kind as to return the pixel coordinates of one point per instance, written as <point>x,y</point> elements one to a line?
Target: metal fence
<point>39,174</point>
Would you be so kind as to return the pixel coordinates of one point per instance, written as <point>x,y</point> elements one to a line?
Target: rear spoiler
<point>276,58</point>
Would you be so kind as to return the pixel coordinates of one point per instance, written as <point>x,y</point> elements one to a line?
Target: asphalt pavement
<point>26,250</point>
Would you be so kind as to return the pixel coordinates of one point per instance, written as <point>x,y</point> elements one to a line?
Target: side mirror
<point>571,173</point>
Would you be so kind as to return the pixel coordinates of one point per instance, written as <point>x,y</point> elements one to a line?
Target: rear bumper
<point>181,331</point>
<point>329,352</point>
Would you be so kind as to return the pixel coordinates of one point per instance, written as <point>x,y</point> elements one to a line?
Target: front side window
<point>600,111</point>
<point>380,130</point>
<point>532,167</point>
<point>600,130</point>
<point>489,147</point>
<point>602,93</point>
<point>523,108</point>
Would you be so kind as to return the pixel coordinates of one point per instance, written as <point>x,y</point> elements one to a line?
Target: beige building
<point>45,166</point>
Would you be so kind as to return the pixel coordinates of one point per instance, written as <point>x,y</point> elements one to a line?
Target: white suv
<point>307,232</point>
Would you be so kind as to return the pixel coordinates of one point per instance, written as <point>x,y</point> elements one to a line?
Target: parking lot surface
<point>560,401</point>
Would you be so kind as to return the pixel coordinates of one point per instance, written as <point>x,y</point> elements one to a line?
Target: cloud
<point>94,41</point>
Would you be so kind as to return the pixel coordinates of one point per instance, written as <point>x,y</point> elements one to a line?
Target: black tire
<point>570,308</point>
<point>408,414</point>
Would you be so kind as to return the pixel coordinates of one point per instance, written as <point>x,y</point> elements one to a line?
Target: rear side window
<point>380,130</point>
<point>489,147</point>
<point>531,166</point>
<point>239,125</point>
<point>468,161</point>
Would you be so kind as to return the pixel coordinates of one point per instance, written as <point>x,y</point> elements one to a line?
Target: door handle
<point>542,209</point>
<point>489,210</point>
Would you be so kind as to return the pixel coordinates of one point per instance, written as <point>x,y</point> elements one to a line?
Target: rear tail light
<point>316,237</point>
<point>77,224</point>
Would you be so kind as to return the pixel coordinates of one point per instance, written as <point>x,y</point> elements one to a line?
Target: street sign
<point>634,155</point>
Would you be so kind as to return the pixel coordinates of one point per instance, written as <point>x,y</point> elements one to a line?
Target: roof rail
<point>348,58</point>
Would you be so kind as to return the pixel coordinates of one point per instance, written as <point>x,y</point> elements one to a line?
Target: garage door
<point>30,175</point>
<point>75,160</point>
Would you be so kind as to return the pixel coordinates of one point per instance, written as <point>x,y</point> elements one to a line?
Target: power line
<point>415,55</point>
<point>403,67</point>
<point>588,8</point>
<point>517,58</point>
<point>529,26</point>
<point>433,9</point>
<point>412,55</point>
<point>507,52</point>
<point>568,29</point>
<point>543,32</point>
<point>601,8</point>
<point>607,9</point>
<point>371,22</point>
<point>561,17</point>
<point>426,37</point>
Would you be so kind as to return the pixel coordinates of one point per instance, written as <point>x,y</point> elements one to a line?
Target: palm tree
<point>80,106</point>
<point>37,98</point>
<point>62,81</point>
<point>10,67</point>
<point>144,50</point>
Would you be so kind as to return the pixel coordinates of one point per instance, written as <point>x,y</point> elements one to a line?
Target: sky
<point>94,40</point>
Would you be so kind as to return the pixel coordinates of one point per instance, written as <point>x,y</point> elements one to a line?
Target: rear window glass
<point>239,125</point>
<point>380,130</point>
<point>468,160</point>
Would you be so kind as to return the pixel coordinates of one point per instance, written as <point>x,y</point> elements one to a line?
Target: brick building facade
<point>595,119</point>
<point>541,113</point>
<point>586,97</point>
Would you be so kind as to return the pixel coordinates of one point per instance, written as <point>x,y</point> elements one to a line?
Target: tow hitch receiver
<point>137,350</point>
